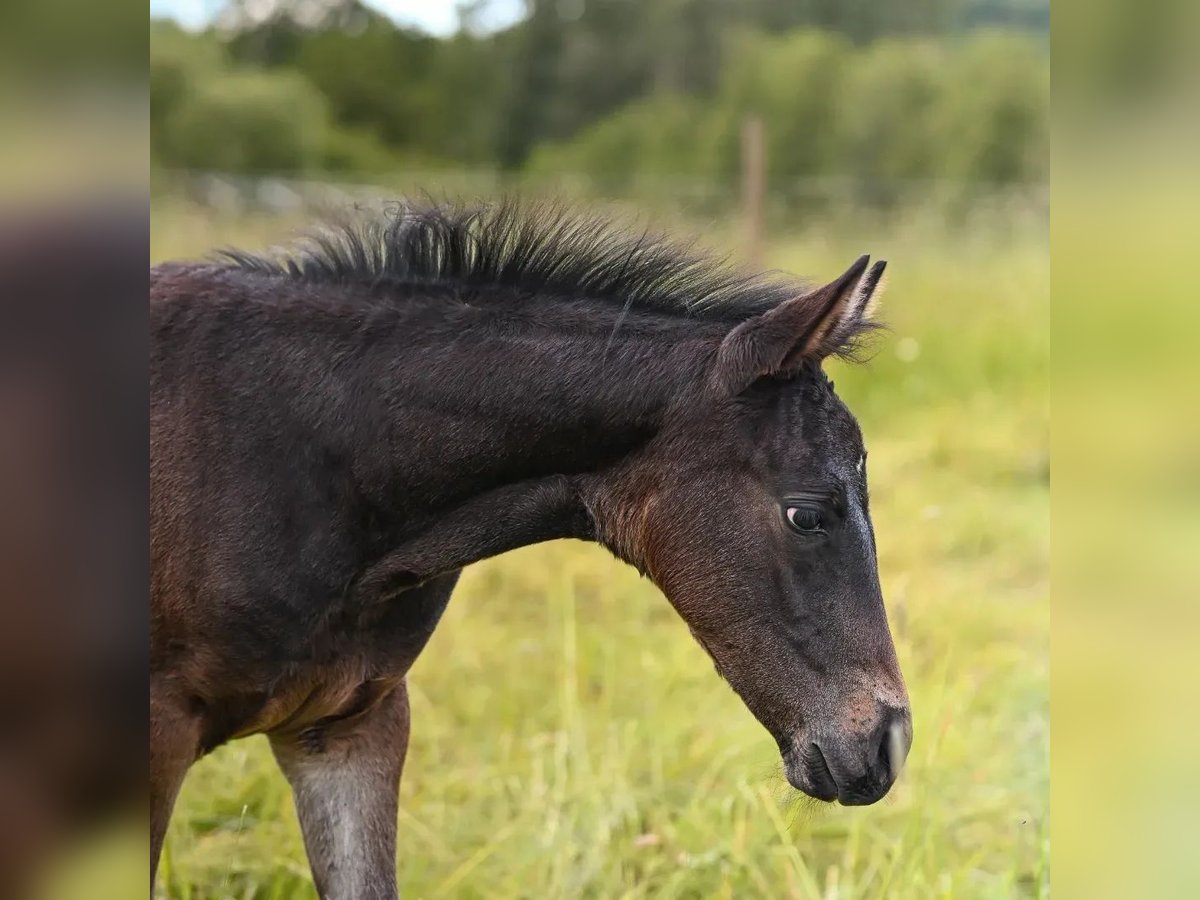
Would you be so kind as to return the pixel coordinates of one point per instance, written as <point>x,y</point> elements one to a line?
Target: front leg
<point>345,778</point>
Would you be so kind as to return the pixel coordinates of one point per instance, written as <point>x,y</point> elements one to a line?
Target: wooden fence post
<point>754,170</point>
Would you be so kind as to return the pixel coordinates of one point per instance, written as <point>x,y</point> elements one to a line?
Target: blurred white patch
<point>907,349</point>
<point>896,748</point>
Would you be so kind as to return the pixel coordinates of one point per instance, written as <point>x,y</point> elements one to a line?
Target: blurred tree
<point>651,138</point>
<point>626,90</point>
<point>995,118</point>
<point>467,87</point>
<point>574,62</point>
<point>688,43</point>
<point>377,77</point>
<point>888,114</point>
<point>178,60</point>
<point>859,20</point>
<point>533,58</point>
<point>269,32</point>
<point>374,75</point>
<point>793,82</point>
<point>248,122</point>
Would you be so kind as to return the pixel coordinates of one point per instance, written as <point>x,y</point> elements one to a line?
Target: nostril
<point>888,752</point>
<point>822,776</point>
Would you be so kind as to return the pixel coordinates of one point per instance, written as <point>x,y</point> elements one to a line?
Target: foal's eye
<point>806,519</point>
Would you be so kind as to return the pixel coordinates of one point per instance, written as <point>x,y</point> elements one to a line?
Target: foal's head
<point>750,511</point>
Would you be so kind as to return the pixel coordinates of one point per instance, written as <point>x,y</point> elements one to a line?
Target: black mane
<point>529,249</point>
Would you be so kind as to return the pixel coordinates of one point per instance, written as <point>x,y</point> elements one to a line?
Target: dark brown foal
<point>334,435</point>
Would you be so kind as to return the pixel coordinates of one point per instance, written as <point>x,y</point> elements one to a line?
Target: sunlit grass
<point>571,740</point>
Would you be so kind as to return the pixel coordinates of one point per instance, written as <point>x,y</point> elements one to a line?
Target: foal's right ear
<point>807,327</point>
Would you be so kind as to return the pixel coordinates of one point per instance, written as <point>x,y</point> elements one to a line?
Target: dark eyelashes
<point>834,499</point>
<point>810,497</point>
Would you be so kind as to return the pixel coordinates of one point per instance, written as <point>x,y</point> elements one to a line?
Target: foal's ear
<point>808,327</point>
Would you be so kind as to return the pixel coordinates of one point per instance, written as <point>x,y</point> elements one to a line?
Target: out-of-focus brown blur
<point>73,247</point>
<point>72,523</point>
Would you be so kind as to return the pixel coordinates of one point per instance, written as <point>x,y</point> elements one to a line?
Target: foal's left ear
<point>808,327</point>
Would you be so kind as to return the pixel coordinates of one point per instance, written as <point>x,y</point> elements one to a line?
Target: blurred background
<point>864,103</point>
<point>604,757</point>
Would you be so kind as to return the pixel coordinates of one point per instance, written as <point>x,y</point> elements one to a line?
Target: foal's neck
<point>478,396</point>
<point>499,415</point>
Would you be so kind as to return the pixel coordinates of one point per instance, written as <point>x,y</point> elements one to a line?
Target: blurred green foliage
<point>895,113</point>
<point>888,94</point>
<point>249,122</point>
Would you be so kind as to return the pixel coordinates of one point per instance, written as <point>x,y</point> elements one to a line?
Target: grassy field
<point>571,740</point>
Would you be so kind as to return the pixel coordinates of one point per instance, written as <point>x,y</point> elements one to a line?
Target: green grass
<point>570,739</point>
